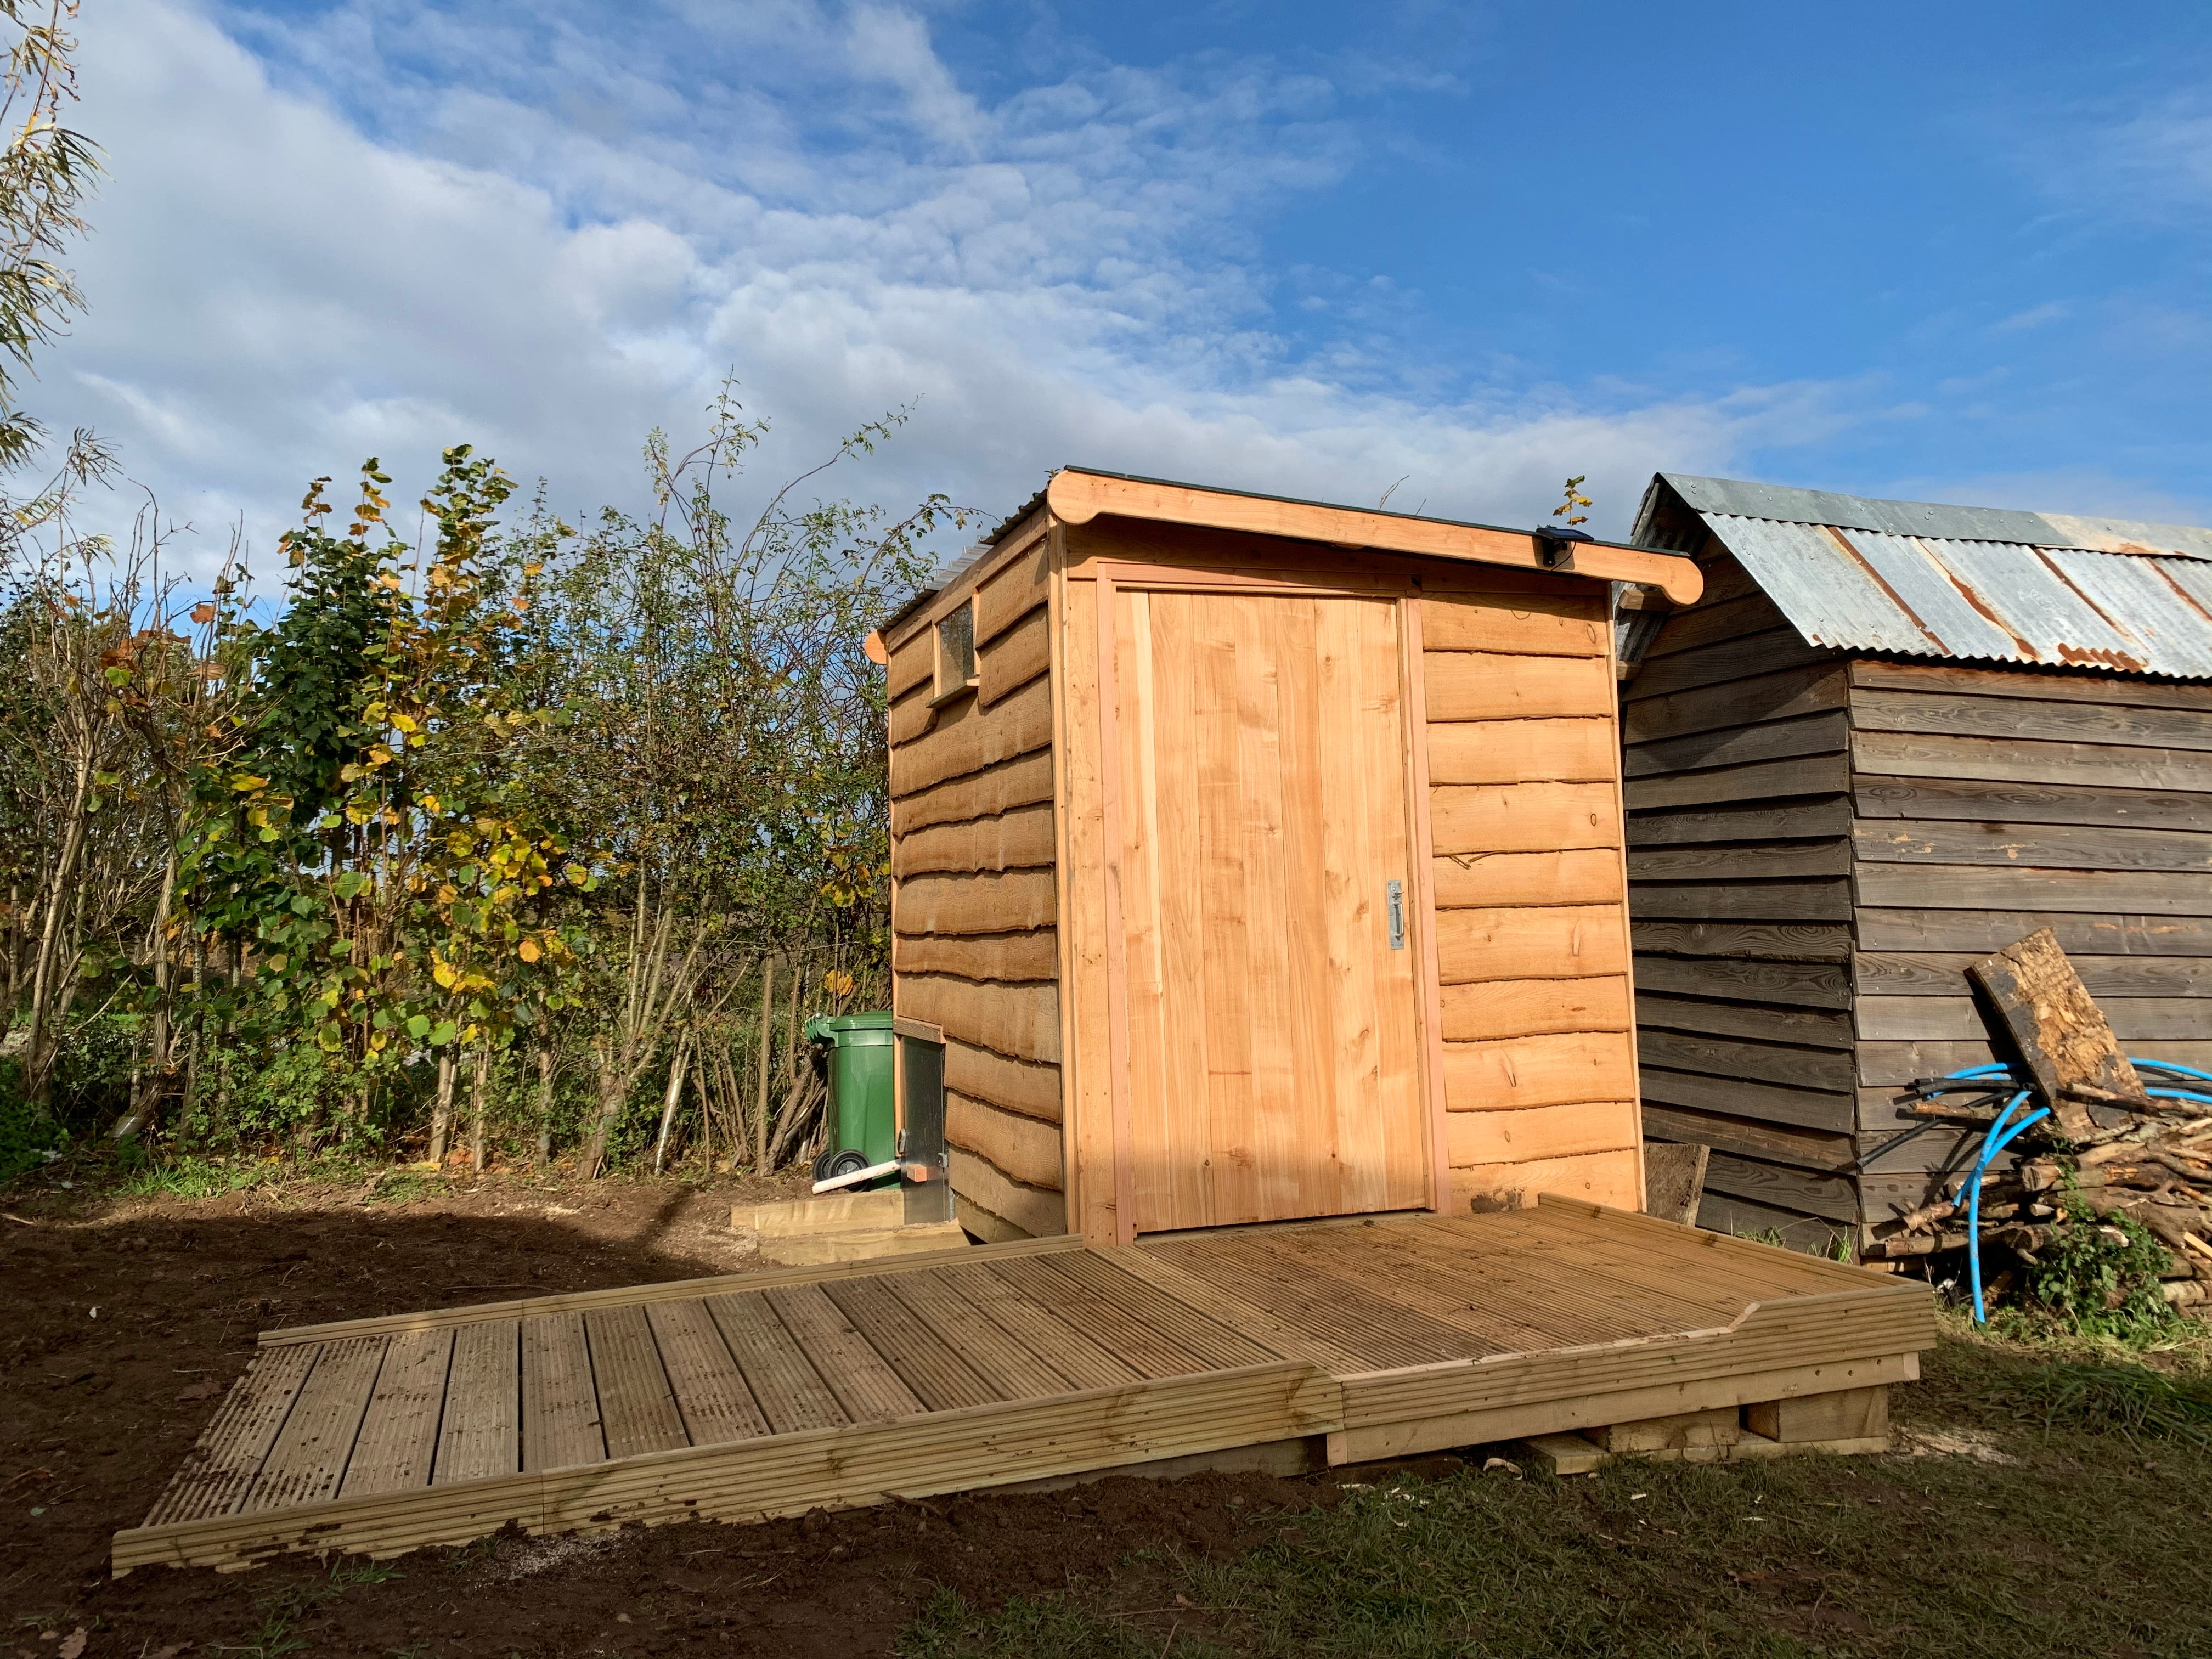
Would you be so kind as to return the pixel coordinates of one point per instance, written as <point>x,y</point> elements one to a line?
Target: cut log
<point>1673,1178</point>
<point>2062,1035</point>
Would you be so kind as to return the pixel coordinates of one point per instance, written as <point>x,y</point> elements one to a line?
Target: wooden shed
<point>1262,860</point>
<point>1894,737</point>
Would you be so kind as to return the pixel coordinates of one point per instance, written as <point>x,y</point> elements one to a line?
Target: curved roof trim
<point>1078,495</point>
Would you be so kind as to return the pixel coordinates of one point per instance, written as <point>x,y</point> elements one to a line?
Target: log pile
<point>2116,1143</point>
<point>2150,1163</point>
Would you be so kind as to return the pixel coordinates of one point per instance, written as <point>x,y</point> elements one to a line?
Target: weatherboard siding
<point>1820,843</point>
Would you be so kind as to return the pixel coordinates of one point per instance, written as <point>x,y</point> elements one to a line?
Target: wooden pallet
<point>764,1394</point>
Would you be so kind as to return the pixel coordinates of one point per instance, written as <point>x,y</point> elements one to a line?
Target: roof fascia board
<point>1077,497</point>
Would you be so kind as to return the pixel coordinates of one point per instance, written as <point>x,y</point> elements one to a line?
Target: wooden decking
<point>771,1393</point>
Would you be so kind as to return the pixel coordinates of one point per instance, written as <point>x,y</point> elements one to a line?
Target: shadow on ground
<point>125,1325</point>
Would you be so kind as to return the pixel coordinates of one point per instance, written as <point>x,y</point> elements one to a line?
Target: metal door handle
<point>1394,892</point>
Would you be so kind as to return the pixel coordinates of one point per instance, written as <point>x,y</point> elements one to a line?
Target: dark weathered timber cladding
<point>1736,769</point>
<point>1820,845</point>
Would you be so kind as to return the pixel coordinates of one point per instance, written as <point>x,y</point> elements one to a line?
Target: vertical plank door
<point>1272,1034</point>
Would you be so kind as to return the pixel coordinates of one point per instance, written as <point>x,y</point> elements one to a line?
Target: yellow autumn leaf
<point>528,951</point>
<point>245,782</point>
<point>445,975</point>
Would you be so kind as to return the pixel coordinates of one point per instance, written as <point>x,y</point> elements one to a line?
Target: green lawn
<point>2074,1518</point>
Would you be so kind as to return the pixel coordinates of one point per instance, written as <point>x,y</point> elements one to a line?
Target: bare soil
<point>126,1321</point>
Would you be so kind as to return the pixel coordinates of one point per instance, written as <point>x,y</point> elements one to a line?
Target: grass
<point>199,1175</point>
<point>2086,1539</point>
<point>282,1608</point>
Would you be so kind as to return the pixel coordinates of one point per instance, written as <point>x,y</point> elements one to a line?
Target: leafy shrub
<point>2096,1283</point>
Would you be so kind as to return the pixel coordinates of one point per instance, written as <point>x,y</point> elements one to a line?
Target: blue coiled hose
<point>2004,1131</point>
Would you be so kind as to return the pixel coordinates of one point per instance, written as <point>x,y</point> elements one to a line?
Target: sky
<point>1954,252</point>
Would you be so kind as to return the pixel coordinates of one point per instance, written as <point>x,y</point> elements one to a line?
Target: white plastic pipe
<point>838,1182</point>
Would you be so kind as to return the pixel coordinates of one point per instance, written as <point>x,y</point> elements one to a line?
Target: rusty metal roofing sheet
<point>2128,536</point>
<point>1758,501</point>
<point>1738,498</point>
<point>2152,600</point>
<point>1970,584</point>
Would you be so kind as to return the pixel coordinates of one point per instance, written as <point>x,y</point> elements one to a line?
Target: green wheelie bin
<point>863,1128</point>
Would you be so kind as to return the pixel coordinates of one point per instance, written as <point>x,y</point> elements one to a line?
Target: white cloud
<point>2034,317</point>
<point>2159,160</point>
<point>544,232</point>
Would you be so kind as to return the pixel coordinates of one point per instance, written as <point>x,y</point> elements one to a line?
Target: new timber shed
<point>1894,737</point>
<point>1262,860</point>
<point>1257,860</point>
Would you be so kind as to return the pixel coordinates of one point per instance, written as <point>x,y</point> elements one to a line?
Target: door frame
<point>1115,576</point>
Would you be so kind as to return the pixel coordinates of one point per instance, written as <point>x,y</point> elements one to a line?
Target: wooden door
<point>1273,1043</point>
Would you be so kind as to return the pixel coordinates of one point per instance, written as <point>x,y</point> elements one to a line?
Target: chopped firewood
<point>1927,1215</point>
<point>2105,1152</point>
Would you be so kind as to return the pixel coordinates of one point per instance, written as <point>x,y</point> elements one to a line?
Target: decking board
<point>221,1468</point>
<point>951,1372</point>
<point>637,1408</point>
<point>307,1461</point>
<point>480,1435</point>
<point>710,1391</point>
<point>1216,1344</point>
<point>1069,1351</point>
<point>870,1391</point>
<point>561,1425</point>
<point>1494,1307</point>
<point>997,1358</point>
<point>1367,1326</point>
<point>1574,1288</point>
<point>918,1359</point>
<point>791,1395</point>
<point>399,1439</point>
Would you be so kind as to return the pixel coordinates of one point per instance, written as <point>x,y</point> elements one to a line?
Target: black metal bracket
<point>1555,545</point>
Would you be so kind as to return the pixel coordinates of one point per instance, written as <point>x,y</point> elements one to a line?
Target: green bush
<point>2096,1282</point>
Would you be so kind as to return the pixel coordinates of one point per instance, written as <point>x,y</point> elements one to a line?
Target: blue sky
<point>1954,252</point>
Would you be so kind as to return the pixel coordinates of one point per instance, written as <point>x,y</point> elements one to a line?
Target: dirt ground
<point>129,1319</point>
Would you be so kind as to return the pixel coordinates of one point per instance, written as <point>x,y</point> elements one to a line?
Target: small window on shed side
<point>956,652</point>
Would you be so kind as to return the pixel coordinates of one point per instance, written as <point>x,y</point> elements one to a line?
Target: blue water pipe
<point>2002,1132</point>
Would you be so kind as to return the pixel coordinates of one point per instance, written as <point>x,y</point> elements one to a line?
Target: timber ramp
<point>757,1395</point>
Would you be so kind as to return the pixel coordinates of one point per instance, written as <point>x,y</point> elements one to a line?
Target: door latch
<point>1394,892</point>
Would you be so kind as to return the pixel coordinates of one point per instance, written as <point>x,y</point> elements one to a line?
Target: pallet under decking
<point>766,1395</point>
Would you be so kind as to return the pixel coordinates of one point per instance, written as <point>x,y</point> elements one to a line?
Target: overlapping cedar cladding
<point>1837,801</point>
<point>1264,859</point>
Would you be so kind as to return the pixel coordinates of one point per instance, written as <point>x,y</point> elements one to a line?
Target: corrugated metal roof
<point>1969,523</point>
<point>1920,579</point>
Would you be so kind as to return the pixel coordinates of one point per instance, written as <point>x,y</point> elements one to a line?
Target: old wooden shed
<point>1262,858</point>
<point>1894,737</point>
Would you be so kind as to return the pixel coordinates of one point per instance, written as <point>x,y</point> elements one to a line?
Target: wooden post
<point>791,1028</point>
<point>705,1086</point>
<point>676,1062</point>
<point>442,1113</point>
<point>760,1104</point>
<point>545,1095</point>
<point>477,1080</point>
